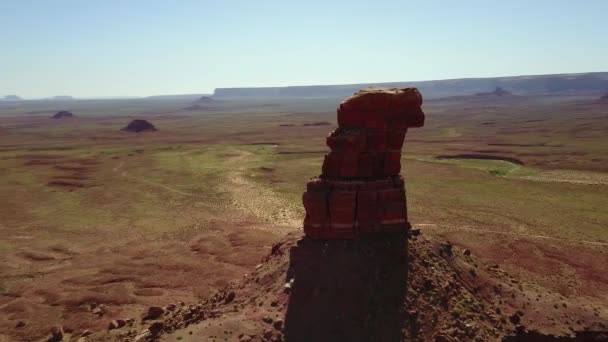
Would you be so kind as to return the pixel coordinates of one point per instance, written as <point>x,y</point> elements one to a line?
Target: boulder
<point>156,328</point>
<point>56,334</point>
<point>117,324</point>
<point>154,312</point>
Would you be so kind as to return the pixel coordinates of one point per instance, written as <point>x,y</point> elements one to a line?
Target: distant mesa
<point>139,125</point>
<point>200,104</point>
<point>604,98</point>
<point>205,99</point>
<point>497,92</point>
<point>62,114</point>
<point>62,97</point>
<point>12,98</point>
<point>579,84</point>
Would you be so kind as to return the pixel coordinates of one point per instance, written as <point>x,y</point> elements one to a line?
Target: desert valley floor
<point>100,224</point>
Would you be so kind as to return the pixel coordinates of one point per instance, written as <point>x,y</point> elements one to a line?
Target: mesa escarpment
<point>522,85</point>
<point>360,190</point>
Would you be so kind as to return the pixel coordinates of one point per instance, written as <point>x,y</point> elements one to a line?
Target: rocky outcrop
<point>139,125</point>
<point>360,190</point>
<point>63,114</point>
<point>417,288</point>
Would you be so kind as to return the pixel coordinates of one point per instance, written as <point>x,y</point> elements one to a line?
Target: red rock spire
<point>360,190</point>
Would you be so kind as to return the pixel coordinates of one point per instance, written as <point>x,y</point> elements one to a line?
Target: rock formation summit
<point>360,190</point>
<point>139,125</point>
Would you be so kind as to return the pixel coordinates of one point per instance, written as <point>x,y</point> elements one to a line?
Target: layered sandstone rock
<point>360,190</point>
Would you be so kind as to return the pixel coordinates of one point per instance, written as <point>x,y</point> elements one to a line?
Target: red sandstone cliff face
<point>360,190</point>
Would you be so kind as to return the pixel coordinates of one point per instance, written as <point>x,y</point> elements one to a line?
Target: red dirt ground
<point>87,288</point>
<point>376,290</point>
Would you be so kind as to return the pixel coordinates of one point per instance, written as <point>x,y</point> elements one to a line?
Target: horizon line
<point>97,97</point>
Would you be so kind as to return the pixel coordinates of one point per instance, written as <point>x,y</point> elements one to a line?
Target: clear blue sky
<point>129,47</point>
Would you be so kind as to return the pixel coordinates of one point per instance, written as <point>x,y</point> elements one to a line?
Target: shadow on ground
<point>347,290</point>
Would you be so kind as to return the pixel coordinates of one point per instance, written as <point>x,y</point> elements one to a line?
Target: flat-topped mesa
<point>360,190</point>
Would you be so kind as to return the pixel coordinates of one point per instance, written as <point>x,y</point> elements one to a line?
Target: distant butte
<point>205,99</point>
<point>62,97</point>
<point>63,114</point>
<point>497,92</point>
<point>139,125</point>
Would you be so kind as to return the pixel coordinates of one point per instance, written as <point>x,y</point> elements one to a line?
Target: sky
<point>140,48</point>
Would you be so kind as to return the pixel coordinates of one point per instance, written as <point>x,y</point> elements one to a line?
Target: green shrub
<point>497,172</point>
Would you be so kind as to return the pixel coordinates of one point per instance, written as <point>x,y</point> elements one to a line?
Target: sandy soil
<point>258,200</point>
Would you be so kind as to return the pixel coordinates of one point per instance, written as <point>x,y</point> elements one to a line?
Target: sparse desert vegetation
<point>303,171</point>
<point>93,217</point>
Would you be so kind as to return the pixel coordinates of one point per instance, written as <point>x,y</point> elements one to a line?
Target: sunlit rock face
<point>360,190</point>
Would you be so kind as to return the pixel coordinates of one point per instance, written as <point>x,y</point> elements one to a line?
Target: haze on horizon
<point>140,48</point>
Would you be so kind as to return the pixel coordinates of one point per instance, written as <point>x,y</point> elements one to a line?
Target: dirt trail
<point>256,199</point>
<point>245,195</point>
